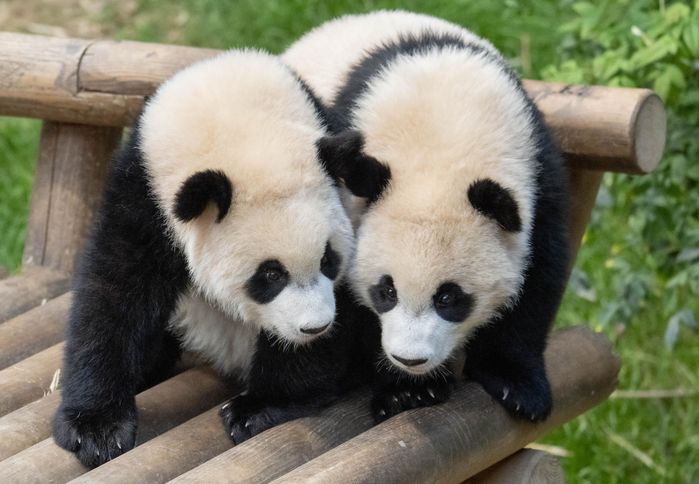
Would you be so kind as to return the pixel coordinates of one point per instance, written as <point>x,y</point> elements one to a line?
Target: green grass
<point>623,440</point>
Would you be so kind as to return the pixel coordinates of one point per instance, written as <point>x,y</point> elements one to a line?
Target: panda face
<point>433,282</point>
<point>230,148</point>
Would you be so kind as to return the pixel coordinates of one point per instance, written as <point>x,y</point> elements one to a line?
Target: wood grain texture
<point>603,128</point>
<point>39,79</point>
<point>524,467</point>
<point>456,440</point>
<point>27,425</point>
<point>167,455</point>
<point>29,379</point>
<point>287,446</point>
<point>614,129</point>
<point>31,287</point>
<point>70,174</point>
<point>159,409</point>
<point>34,330</point>
<point>583,188</point>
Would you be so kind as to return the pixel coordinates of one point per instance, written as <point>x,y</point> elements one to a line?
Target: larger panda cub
<point>463,239</point>
<point>221,232</point>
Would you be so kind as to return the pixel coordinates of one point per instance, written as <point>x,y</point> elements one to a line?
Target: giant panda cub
<point>462,241</point>
<point>220,232</point>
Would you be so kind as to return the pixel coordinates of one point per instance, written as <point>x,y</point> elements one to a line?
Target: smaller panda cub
<point>220,232</point>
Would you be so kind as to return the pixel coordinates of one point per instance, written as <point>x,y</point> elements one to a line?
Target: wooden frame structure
<point>86,92</point>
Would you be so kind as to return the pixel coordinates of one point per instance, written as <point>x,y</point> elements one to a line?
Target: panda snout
<point>313,330</point>
<point>410,361</point>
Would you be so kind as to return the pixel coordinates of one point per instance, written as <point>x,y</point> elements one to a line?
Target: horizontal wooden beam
<point>471,432</point>
<point>159,409</point>
<point>31,287</point>
<point>526,466</point>
<point>34,330</point>
<point>104,82</point>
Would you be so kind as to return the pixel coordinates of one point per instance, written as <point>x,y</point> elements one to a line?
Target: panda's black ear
<point>343,158</point>
<point>200,189</point>
<point>494,201</point>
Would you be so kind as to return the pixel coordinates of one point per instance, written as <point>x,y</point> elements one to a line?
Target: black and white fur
<point>462,239</point>
<point>220,232</point>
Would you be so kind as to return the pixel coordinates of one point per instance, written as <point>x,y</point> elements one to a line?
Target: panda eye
<point>384,295</point>
<point>273,275</point>
<point>330,262</point>
<point>445,299</point>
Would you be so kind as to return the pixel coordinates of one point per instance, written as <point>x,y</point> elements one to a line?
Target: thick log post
<point>454,441</point>
<point>30,288</point>
<point>159,409</point>
<point>72,166</point>
<point>527,466</point>
<point>28,425</point>
<point>33,331</point>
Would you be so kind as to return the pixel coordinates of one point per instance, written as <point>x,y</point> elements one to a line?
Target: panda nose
<point>409,362</point>
<point>315,330</point>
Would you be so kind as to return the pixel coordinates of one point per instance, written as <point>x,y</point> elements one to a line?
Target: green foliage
<point>18,141</point>
<point>654,261</point>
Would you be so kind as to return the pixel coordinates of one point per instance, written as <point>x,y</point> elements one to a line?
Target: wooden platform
<point>86,92</point>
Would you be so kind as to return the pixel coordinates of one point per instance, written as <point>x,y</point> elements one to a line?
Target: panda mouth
<point>313,331</point>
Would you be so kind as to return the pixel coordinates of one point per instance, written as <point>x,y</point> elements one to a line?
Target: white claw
<point>98,453</point>
<point>517,408</point>
<point>533,417</point>
<point>232,433</point>
<point>80,440</point>
<point>247,424</point>
<point>419,398</point>
<point>429,390</point>
<point>394,398</point>
<point>382,412</point>
<point>119,445</point>
<point>228,404</point>
<point>505,392</point>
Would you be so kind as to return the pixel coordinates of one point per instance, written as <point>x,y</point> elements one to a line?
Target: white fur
<point>245,113</point>
<point>440,120</point>
<point>227,344</point>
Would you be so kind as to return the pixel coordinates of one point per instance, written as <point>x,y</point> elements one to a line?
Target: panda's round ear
<point>200,189</point>
<point>495,202</point>
<point>343,158</point>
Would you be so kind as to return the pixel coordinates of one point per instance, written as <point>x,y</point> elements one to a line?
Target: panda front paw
<point>395,397</point>
<point>96,437</point>
<point>243,419</point>
<point>524,395</point>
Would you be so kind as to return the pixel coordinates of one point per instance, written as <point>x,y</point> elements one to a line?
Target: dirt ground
<point>65,18</point>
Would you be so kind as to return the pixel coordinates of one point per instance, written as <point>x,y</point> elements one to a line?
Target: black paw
<point>95,437</point>
<point>526,396</point>
<point>395,397</point>
<point>242,419</point>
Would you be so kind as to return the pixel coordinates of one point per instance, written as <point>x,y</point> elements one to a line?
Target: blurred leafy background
<point>637,275</point>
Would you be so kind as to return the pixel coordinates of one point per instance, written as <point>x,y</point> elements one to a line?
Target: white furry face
<point>442,123</point>
<point>230,147</point>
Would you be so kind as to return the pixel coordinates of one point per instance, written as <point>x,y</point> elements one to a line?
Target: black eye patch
<point>384,295</point>
<point>330,263</point>
<point>269,280</point>
<point>452,303</point>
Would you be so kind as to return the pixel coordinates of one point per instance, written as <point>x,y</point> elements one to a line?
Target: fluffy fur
<point>220,232</point>
<point>467,238</point>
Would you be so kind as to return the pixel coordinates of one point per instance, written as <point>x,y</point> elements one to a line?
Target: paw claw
<point>517,408</point>
<point>382,412</point>
<point>394,399</point>
<point>118,444</point>
<point>505,392</point>
<point>430,392</point>
<point>247,424</point>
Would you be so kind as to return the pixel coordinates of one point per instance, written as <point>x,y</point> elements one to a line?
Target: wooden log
<point>168,455</point>
<point>584,185</point>
<point>456,440</point>
<point>31,287</point>
<point>603,128</point>
<point>287,446</point>
<point>34,330</point>
<point>72,166</point>
<point>118,66</point>
<point>527,466</point>
<point>609,129</point>
<point>27,425</point>
<point>39,79</point>
<point>160,408</point>
<point>29,379</point>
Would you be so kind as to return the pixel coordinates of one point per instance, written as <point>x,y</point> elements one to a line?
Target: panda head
<point>443,149</point>
<point>230,148</point>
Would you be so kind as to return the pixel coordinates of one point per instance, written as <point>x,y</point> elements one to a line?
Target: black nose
<point>315,330</point>
<point>408,362</point>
